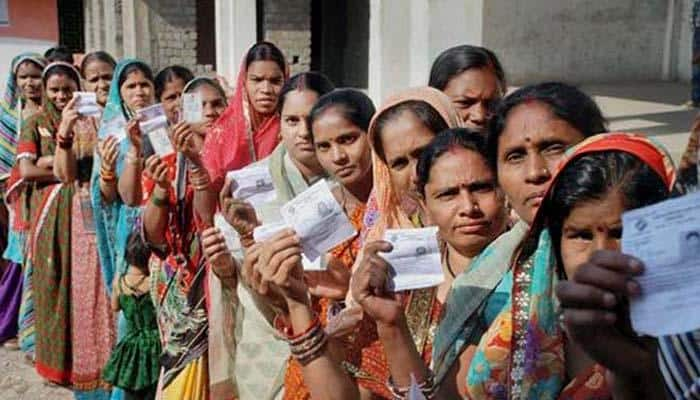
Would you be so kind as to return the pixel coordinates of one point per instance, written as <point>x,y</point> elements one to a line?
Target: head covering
<point>11,113</point>
<point>383,209</point>
<point>521,355</point>
<point>241,135</point>
<point>114,221</point>
<point>76,74</point>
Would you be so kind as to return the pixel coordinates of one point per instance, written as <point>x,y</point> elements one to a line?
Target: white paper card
<point>264,232</point>
<point>230,234</point>
<point>253,184</point>
<point>161,142</point>
<point>666,237</point>
<point>152,118</point>
<point>318,219</point>
<point>86,104</point>
<point>415,258</point>
<point>192,107</point>
<point>115,127</point>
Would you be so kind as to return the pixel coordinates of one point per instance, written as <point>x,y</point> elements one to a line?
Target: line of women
<point>131,274</point>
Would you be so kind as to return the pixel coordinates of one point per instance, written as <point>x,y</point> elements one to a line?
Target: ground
<point>653,108</point>
<point>19,380</point>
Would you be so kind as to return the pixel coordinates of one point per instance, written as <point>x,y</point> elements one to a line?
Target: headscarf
<point>113,222</point>
<point>521,355</point>
<point>234,141</point>
<point>209,81</point>
<point>384,207</point>
<point>11,113</point>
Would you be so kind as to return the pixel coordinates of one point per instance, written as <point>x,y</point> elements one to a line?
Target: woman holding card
<point>170,84</point>
<point>184,293</point>
<point>92,322</point>
<point>49,246</point>
<point>249,128</point>
<point>292,168</point>
<point>117,168</point>
<point>23,96</point>
<point>97,68</point>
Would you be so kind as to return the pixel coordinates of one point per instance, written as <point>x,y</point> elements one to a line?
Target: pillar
<point>236,31</point>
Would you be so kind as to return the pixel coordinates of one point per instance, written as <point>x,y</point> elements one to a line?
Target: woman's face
<point>98,77</point>
<point>473,92</point>
<point>591,225</point>
<point>137,91</point>
<point>29,80</point>
<point>342,148</point>
<point>529,149</point>
<point>213,104</point>
<point>403,140</point>
<point>170,99</point>
<point>59,90</point>
<point>462,199</point>
<point>264,80</point>
<point>295,133</point>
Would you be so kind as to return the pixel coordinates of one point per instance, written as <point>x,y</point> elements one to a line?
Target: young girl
<point>134,365</point>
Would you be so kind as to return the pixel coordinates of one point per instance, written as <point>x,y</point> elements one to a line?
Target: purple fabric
<point>10,297</point>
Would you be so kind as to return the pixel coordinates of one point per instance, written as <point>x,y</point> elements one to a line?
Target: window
<point>4,14</point>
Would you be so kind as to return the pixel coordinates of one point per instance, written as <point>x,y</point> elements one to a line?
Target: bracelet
<point>108,178</point>
<point>308,345</point>
<point>132,159</point>
<point>160,203</point>
<point>427,387</point>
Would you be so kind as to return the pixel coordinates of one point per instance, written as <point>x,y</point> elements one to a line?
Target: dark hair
<point>314,81</point>
<point>137,252</point>
<point>199,82</point>
<point>566,102</point>
<point>694,234</point>
<point>442,143</point>
<point>428,115</point>
<point>60,69</point>
<point>96,56</point>
<point>59,53</point>
<point>169,74</point>
<point>353,105</point>
<point>458,59</point>
<point>137,66</point>
<point>265,51</point>
<point>591,177</point>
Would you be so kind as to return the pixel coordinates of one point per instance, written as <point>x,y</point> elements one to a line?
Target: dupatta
<point>521,355</point>
<point>241,135</point>
<point>11,113</point>
<point>113,222</point>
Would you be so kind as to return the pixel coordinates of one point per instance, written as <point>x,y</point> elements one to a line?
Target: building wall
<point>581,41</point>
<point>26,31</point>
<point>174,34</point>
<point>25,24</point>
<point>287,23</point>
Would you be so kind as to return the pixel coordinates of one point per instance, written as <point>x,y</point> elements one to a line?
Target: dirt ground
<point>19,380</point>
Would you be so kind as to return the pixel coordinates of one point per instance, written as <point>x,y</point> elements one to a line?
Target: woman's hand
<point>217,254</point>
<point>183,139</point>
<point>133,132</point>
<point>108,150</point>
<point>369,286</point>
<point>239,214</point>
<point>69,116</point>
<point>45,162</point>
<point>159,171</point>
<point>332,283</point>
<point>596,313</point>
<point>280,270</point>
